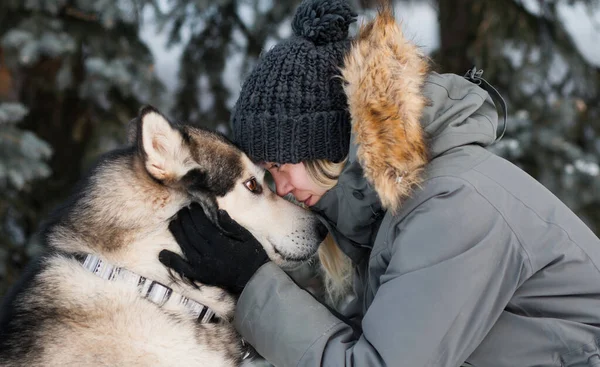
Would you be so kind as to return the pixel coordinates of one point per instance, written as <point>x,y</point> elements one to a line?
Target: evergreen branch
<point>80,14</point>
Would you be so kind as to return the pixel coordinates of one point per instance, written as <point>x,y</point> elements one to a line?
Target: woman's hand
<point>227,260</point>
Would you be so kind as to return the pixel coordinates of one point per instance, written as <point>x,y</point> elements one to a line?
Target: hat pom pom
<point>323,21</point>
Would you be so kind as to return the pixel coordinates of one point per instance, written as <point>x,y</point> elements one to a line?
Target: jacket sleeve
<point>451,270</point>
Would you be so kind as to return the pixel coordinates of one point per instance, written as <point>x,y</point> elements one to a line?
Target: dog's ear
<point>161,145</point>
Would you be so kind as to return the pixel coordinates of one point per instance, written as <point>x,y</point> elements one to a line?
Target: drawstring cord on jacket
<point>474,76</point>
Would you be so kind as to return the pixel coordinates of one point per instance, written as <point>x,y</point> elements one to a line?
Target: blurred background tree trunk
<point>459,23</point>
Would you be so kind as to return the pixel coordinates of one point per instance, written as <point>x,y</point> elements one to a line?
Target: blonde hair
<point>337,267</point>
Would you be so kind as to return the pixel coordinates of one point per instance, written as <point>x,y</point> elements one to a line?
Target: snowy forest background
<point>74,72</point>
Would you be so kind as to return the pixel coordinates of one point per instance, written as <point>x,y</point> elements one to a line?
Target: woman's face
<point>293,178</point>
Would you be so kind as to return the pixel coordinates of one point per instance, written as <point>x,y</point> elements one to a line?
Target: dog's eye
<point>253,186</point>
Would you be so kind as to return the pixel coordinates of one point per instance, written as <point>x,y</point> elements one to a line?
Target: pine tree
<point>81,71</point>
<point>551,89</point>
<point>23,159</point>
<point>224,40</point>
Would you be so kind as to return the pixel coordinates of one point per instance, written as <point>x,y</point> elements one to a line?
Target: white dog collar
<point>151,290</point>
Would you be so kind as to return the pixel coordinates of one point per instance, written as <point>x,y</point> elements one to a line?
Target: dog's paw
<point>218,299</point>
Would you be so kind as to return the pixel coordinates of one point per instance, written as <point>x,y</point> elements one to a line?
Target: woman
<point>458,254</point>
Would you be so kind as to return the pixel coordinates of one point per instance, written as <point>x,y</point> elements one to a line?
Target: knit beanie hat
<point>292,107</point>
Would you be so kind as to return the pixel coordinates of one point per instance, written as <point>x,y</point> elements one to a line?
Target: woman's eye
<point>253,186</point>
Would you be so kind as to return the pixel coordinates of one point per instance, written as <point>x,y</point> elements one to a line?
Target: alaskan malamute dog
<point>101,297</point>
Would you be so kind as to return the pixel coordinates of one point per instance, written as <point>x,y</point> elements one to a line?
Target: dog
<point>100,296</point>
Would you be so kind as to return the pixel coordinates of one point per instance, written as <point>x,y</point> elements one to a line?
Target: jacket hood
<point>402,114</point>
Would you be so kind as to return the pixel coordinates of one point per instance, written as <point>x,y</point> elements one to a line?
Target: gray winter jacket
<point>472,260</point>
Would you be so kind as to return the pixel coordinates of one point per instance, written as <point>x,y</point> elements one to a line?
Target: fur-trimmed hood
<point>403,117</point>
<point>402,114</point>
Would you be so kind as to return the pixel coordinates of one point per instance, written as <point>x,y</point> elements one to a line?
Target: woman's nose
<point>282,185</point>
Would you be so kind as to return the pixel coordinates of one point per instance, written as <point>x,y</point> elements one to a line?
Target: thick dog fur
<point>63,315</point>
<point>384,74</point>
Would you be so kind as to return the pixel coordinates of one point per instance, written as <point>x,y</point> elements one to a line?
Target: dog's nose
<point>321,230</point>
